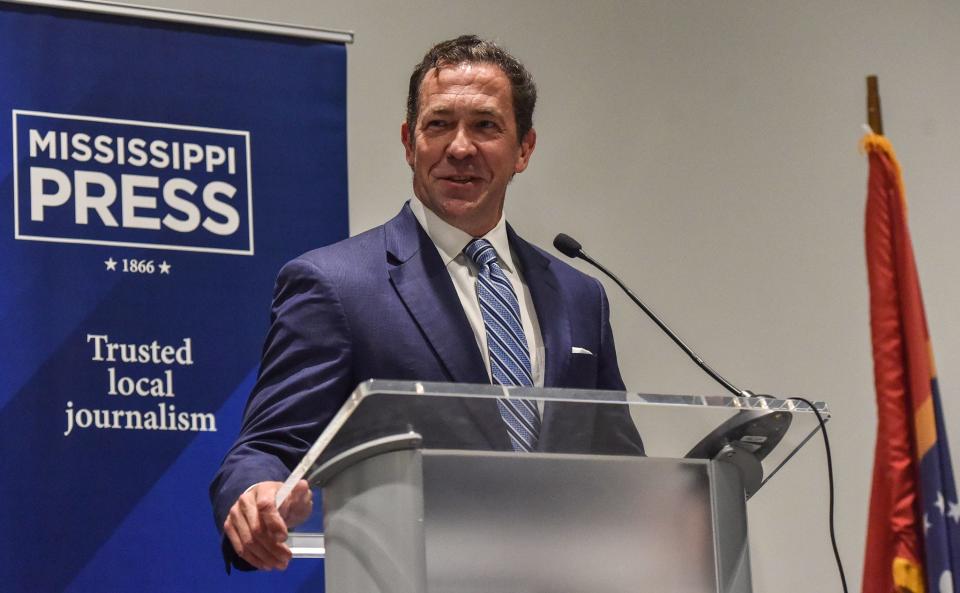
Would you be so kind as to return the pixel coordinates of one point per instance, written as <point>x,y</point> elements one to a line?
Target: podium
<point>421,491</point>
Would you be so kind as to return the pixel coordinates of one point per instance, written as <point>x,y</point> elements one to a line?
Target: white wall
<point>708,152</point>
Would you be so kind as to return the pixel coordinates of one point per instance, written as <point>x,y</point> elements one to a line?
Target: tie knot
<point>480,252</point>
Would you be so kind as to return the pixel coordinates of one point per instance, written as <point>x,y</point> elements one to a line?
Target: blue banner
<point>153,179</point>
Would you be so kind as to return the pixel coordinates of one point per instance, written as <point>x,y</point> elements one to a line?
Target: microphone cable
<point>826,447</point>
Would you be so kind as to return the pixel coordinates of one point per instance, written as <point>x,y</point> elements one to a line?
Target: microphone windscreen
<point>567,245</point>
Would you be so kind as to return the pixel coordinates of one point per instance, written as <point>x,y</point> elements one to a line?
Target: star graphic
<point>940,504</point>
<point>945,585</point>
<point>926,524</point>
<point>954,512</point>
<point>111,265</point>
<point>164,267</point>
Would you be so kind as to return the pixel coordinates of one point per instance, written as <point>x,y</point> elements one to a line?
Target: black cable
<point>826,446</point>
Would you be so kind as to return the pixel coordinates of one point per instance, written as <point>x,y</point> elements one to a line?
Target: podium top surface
<point>573,421</point>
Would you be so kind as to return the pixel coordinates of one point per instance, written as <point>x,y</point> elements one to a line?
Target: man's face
<point>464,150</point>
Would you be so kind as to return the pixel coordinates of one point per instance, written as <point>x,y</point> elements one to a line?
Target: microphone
<point>567,245</point>
<point>570,247</point>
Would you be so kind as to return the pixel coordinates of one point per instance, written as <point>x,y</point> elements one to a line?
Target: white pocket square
<point>579,350</point>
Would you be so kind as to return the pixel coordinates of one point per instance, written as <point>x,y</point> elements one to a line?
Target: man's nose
<point>461,145</point>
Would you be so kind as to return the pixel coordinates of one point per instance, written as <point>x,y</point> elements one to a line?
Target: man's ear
<point>407,138</point>
<point>527,145</point>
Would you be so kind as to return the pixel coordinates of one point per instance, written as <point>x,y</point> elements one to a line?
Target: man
<point>418,298</point>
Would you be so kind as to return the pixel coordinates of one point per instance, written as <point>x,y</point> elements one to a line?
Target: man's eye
<point>487,124</point>
<point>436,123</point>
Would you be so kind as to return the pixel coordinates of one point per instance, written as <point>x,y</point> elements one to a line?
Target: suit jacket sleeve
<point>305,376</point>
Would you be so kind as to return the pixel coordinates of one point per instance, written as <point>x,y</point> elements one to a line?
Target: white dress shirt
<point>450,242</point>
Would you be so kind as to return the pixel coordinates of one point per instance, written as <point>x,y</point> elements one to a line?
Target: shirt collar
<point>450,240</point>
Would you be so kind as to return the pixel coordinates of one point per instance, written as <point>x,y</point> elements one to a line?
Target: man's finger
<point>260,554</point>
<point>243,541</point>
<point>233,535</point>
<point>273,524</point>
<point>256,530</point>
<point>236,525</point>
<point>274,554</point>
<point>247,507</point>
<point>256,558</point>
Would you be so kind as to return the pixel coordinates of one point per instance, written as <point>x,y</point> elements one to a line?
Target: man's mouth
<point>460,179</point>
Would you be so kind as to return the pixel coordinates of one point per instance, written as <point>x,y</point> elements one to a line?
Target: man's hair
<point>470,49</point>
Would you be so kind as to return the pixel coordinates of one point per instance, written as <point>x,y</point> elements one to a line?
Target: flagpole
<point>874,116</point>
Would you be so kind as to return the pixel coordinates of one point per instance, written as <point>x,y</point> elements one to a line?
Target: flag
<point>914,521</point>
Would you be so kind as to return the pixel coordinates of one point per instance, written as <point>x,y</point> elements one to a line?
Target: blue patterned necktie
<point>506,343</point>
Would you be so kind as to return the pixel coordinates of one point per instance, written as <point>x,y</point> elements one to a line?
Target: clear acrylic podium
<point>627,492</point>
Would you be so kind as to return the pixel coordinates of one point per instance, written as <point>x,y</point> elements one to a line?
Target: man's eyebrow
<point>446,110</point>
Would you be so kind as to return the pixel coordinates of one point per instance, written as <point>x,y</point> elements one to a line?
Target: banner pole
<point>193,18</point>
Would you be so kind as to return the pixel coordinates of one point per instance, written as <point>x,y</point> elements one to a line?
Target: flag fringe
<point>879,143</point>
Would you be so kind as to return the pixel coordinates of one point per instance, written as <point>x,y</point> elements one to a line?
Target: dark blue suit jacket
<point>382,305</point>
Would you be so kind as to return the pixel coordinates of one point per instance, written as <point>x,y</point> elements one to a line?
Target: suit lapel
<point>549,304</point>
<point>558,433</point>
<point>424,286</point>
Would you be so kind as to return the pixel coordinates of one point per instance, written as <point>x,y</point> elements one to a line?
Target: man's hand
<point>257,529</point>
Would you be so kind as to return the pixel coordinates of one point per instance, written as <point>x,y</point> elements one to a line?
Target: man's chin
<point>459,201</point>
<point>468,216</point>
